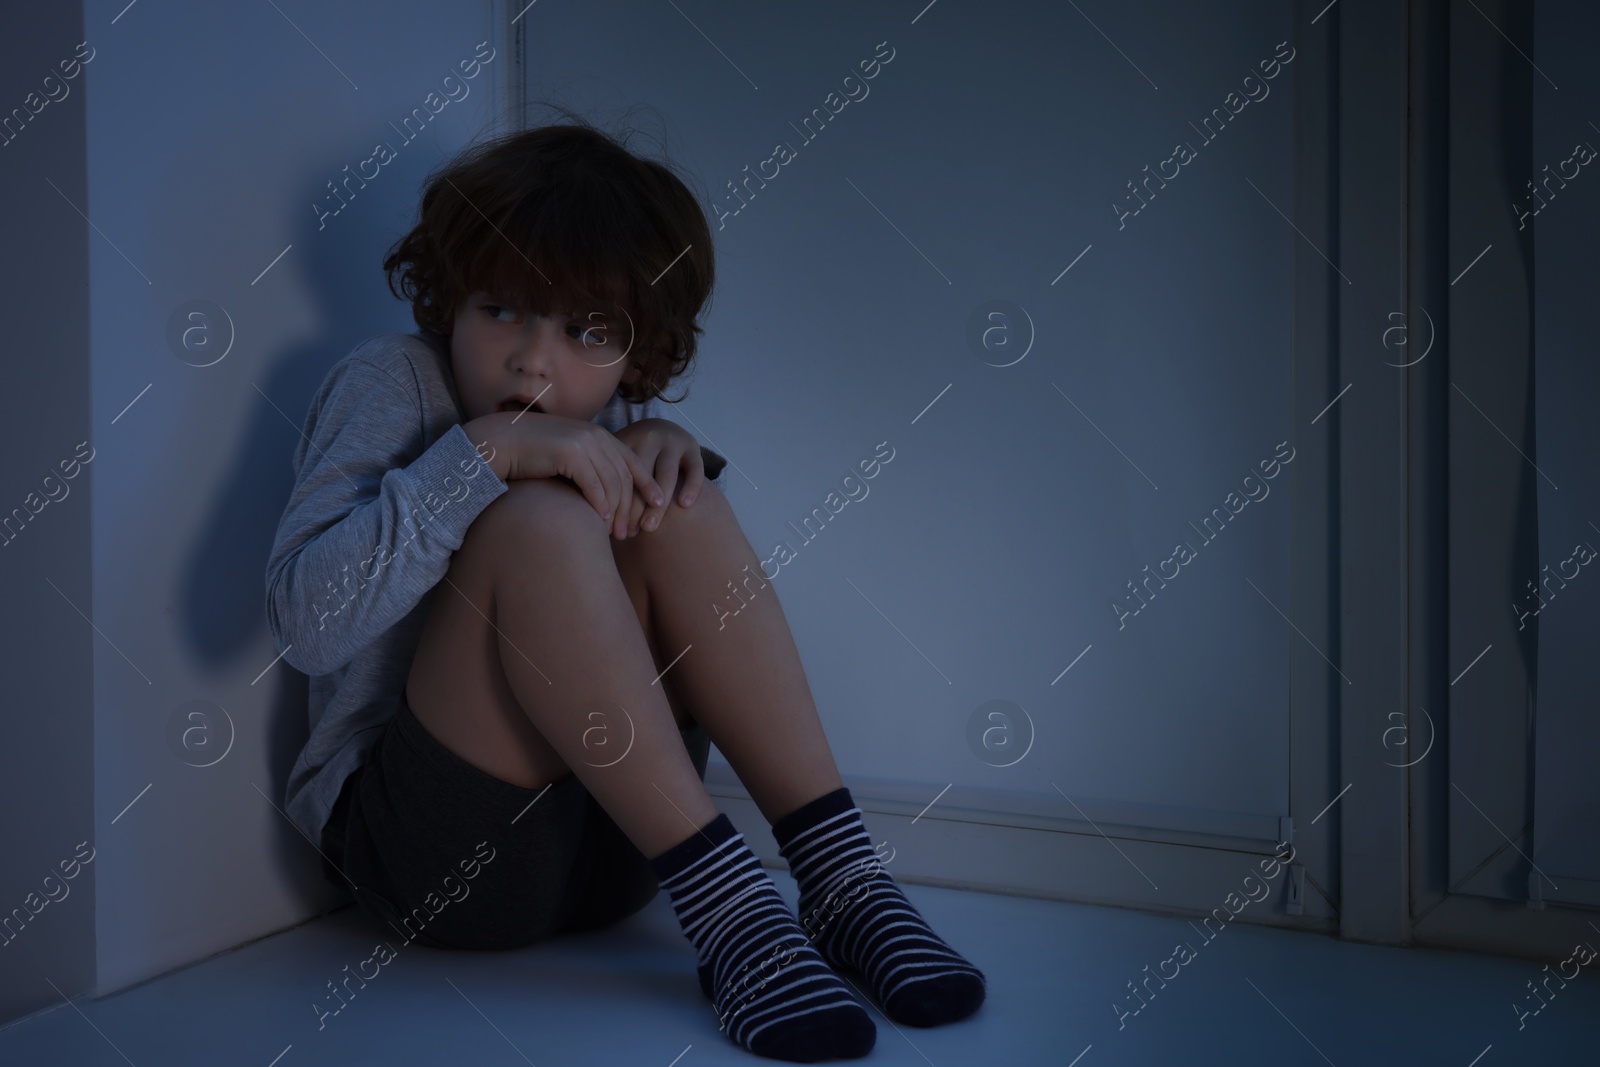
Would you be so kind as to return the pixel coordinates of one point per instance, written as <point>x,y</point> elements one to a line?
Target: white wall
<point>47,790</point>
<point>211,132</point>
<point>985,558</point>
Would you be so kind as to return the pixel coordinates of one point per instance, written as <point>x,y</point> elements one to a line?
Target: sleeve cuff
<point>452,480</point>
<point>713,461</point>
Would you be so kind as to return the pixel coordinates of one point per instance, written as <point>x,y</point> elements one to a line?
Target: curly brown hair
<point>609,229</point>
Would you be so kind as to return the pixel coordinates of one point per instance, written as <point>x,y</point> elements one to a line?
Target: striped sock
<point>772,991</point>
<point>859,917</point>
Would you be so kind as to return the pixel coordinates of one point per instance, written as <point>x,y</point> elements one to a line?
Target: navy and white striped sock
<point>859,917</point>
<point>773,993</point>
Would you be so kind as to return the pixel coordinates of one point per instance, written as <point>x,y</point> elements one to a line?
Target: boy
<point>484,682</point>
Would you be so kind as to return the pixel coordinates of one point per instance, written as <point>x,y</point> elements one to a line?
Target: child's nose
<point>537,350</point>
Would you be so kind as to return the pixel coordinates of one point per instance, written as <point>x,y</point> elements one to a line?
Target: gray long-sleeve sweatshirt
<point>386,485</point>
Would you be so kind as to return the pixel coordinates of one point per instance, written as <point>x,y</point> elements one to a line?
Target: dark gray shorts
<point>446,855</point>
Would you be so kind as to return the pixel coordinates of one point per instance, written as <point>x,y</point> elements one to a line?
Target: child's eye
<point>592,336</point>
<point>493,311</point>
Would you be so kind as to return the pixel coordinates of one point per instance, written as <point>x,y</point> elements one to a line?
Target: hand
<point>601,465</point>
<point>668,450</point>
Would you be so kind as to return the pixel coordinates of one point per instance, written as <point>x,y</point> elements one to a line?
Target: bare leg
<point>533,662</point>
<point>741,678</point>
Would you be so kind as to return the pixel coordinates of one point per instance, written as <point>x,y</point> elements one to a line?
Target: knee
<point>538,509</point>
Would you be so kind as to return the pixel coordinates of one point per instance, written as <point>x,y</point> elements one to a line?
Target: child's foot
<point>859,917</point>
<point>774,994</point>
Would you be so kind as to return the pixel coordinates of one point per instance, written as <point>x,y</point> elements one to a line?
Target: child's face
<point>499,353</point>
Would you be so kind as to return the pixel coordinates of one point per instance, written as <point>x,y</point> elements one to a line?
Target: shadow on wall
<point>221,596</point>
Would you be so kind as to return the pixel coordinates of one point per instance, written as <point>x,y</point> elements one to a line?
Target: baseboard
<point>965,848</point>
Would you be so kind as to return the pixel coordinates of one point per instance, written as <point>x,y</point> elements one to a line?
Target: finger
<point>627,459</point>
<point>640,468</point>
<point>601,448</point>
<point>598,470</point>
<point>694,478</point>
<point>643,484</point>
<point>667,477</point>
<point>634,514</point>
<point>586,476</point>
<point>594,473</point>
<point>624,483</point>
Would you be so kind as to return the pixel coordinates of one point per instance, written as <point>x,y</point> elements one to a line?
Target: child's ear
<point>631,374</point>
